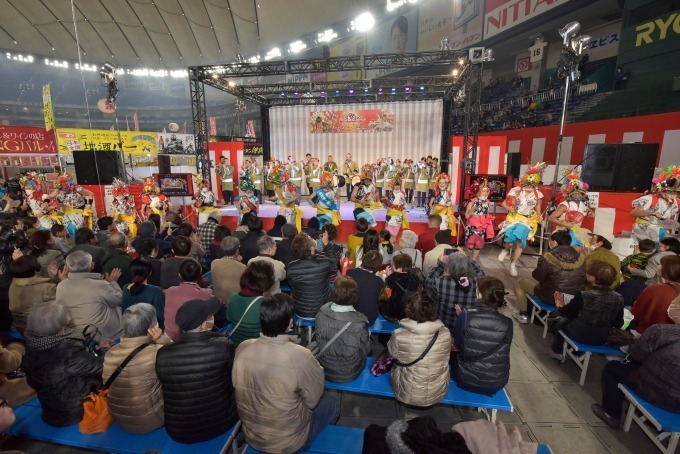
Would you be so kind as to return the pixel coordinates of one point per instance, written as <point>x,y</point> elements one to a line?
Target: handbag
<point>243,316</point>
<point>619,337</point>
<point>384,362</point>
<point>96,416</point>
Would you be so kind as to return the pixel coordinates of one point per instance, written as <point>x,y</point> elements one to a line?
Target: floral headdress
<point>200,181</point>
<point>278,175</point>
<point>476,187</point>
<point>366,173</point>
<point>442,176</point>
<point>150,187</point>
<point>65,182</point>
<point>574,185</point>
<point>326,179</point>
<point>120,188</point>
<point>396,179</point>
<point>533,175</point>
<point>668,180</point>
<point>246,183</point>
<point>30,181</point>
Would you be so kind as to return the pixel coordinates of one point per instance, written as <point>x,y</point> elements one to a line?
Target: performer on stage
<point>286,195</point>
<point>296,172</point>
<point>247,202</point>
<point>327,206</point>
<point>37,202</point>
<point>442,202</point>
<point>256,173</point>
<point>364,197</point>
<point>390,172</point>
<point>654,212</point>
<point>422,182</point>
<point>76,202</point>
<point>347,169</point>
<point>379,172</point>
<point>313,175</point>
<point>571,212</point>
<point>395,203</point>
<point>153,201</point>
<point>226,173</point>
<point>330,166</point>
<point>479,226</point>
<point>524,214</point>
<point>123,208</point>
<point>204,200</point>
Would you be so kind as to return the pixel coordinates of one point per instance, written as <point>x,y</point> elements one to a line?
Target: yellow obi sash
<point>445,210</point>
<point>514,217</point>
<point>402,213</point>
<point>86,213</point>
<point>333,214</point>
<point>130,220</point>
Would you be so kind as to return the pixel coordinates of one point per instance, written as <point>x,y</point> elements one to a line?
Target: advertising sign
<point>26,140</point>
<point>349,47</point>
<point>47,107</point>
<point>502,15</point>
<point>459,21</point>
<point>351,121</point>
<point>175,143</point>
<point>135,142</point>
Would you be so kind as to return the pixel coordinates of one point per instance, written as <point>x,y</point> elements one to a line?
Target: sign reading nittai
<point>658,29</point>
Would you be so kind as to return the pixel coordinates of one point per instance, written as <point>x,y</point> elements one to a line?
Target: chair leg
<point>629,417</point>
<point>564,351</point>
<point>673,443</point>
<point>545,328</point>
<point>584,369</point>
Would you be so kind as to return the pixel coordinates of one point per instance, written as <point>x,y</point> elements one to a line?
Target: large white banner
<point>417,132</point>
<point>502,15</point>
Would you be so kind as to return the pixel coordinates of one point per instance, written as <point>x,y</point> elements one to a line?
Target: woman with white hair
<point>407,245</point>
<point>136,396</point>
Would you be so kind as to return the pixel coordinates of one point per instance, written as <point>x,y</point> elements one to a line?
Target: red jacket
<point>426,240</point>
<point>652,305</point>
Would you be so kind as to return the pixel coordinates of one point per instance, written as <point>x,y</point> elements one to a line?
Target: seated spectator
<point>313,228</point>
<point>140,291</point>
<point>667,246</point>
<point>242,230</point>
<point>279,222</point>
<point>453,282</point>
<point>592,313</point>
<point>601,250</point>
<point>91,299</point>
<point>186,229</point>
<point>369,283</point>
<point>266,247</point>
<point>61,238</point>
<point>308,277</point>
<point>431,258</point>
<point>181,247</point>
<point>334,249</point>
<point>344,359</point>
<point>43,247</point>
<point>243,308</point>
<point>386,246</point>
<point>215,251</point>
<point>426,241</point>
<point>148,250</point>
<point>407,244</point>
<point>15,391</point>
<point>284,249</point>
<point>638,261</point>
<point>415,381</point>
<point>195,375</point>
<point>206,231</point>
<point>653,373</point>
<point>10,239</point>
<point>357,239</point>
<point>117,257</point>
<point>28,289</point>
<point>188,289</point>
<point>651,307</point>
<point>87,241</point>
<point>226,272</point>
<point>371,242</point>
<point>289,419</point>
<point>400,280</point>
<point>58,366</point>
<point>147,230</point>
<point>105,227</point>
<point>561,269</point>
<point>249,243</point>
<point>482,338</point>
<point>135,396</point>
<point>172,222</point>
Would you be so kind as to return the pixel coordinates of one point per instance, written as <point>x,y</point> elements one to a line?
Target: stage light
<point>296,93</point>
<point>583,42</point>
<point>392,5</point>
<point>365,90</point>
<point>454,73</point>
<point>255,59</point>
<point>275,52</point>
<point>394,89</point>
<point>364,22</point>
<point>297,46</point>
<point>461,61</point>
<point>231,83</point>
<point>422,88</point>
<point>351,92</point>
<point>569,30</point>
<point>215,76</point>
<point>327,36</point>
<point>407,89</point>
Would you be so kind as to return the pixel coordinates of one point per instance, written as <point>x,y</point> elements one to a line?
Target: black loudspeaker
<point>164,163</point>
<point>627,167</point>
<point>514,162</point>
<point>96,167</point>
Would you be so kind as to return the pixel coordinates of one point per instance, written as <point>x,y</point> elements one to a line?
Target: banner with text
<point>134,142</point>
<point>459,21</point>
<point>48,110</point>
<point>339,121</point>
<point>502,15</point>
<point>26,140</point>
<point>175,143</point>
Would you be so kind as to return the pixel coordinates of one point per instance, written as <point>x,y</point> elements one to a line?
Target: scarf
<point>43,343</point>
<point>326,199</point>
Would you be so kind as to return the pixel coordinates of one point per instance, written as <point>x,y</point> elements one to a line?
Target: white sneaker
<point>502,255</point>
<point>513,270</point>
<point>557,356</point>
<point>520,317</point>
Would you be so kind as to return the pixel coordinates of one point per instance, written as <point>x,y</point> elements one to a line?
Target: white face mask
<point>528,189</point>
<point>204,189</point>
<point>483,197</point>
<point>592,248</point>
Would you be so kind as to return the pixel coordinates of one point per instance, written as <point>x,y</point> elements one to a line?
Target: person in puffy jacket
<point>345,358</point>
<point>28,289</point>
<point>562,269</point>
<point>483,337</point>
<point>309,277</point>
<point>135,396</point>
<point>401,279</point>
<point>425,382</point>
<point>58,366</point>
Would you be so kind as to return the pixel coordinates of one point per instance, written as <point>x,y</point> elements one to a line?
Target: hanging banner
<point>172,143</point>
<point>604,42</point>
<point>134,142</point>
<point>502,15</point>
<point>213,126</point>
<point>352,121</point>
<point>252,146</point>
<point>460,22</point>
<point>26,140</point>
<point>398,34</point>
<point>47,107</point>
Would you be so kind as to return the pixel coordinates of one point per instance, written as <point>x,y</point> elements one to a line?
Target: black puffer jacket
<point>62,372</point>
<point>309,280</point>
<point>562,269</point>
<point>195,373</point>
<point>485,330</point>
<point>345,358</point>
<point>391,301</point>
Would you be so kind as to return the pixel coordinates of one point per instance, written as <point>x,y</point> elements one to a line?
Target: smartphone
<point>450,251</point>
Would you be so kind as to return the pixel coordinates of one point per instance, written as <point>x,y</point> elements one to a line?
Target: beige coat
<point>277,384</point>
<point>16,391</point>
<point>136,396</point>
<point>279,272</point>
<point>426,382</point>
<point>92,300</point>
<point>226,275</point>
<point>26,293</point>
<point>49,256</point>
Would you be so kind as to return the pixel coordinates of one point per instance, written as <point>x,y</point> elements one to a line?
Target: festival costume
<point>575,192</point>
<point>366,195</point>
<point>285,193</point>
<point>204,200</point>
<point>123,208</point>
<point>76,206</point>
<point>408,182</point>
<point>313,177</point>
<point>38,203</point>
<point>395,203</point>
<point>442,204</point>
<point>153,201</point>
<point>390,172</point>
<point>651,227</point>
<point>247,202</point>
<point>521,223</point>
<point>226,173</point>
<point>479,226</point>
<point>380,172</point>
<point>327,207</point>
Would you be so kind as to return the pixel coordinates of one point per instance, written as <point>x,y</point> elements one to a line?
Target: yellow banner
<point>47,107</point>
<point>134,142</point>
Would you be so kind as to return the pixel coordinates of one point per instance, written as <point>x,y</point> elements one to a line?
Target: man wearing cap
<point>206,231</point>
<point>195,373</point>
<point>601,250</point>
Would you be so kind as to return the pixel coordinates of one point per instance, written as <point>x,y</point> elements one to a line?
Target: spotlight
<point>422,88</point>
<point>454,73</point>
<point>297,46</point>
<point>231,83</point>
<point>351,92</point>
<point>569,30</point>
<point>364,22</point>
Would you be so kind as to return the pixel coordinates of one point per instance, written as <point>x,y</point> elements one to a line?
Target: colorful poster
<point>176,143</point>
<point>213,126</point>
<point>134,142</point>
<point>502,15</point>
<point>398,34</point>
<point>26,140</point>
<point>656,36</point>
<point>47,107</point>
<point>459,21</point>
<point>348,47</point>
<point>351,121</point>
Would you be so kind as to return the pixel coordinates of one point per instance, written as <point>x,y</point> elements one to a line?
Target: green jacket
<point>250,326</point>
<point>605,255</point>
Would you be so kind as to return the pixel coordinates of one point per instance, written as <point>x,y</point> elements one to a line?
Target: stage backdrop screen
<point>369,131</point>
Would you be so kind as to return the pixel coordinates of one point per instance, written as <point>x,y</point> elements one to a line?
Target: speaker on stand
<point>164,163</point>
<point>625,167</point>
<point>97,167</point>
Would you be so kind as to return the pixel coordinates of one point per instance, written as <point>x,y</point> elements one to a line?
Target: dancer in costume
<point>395,202</point>
<point>226,173</point>
<point>286,195</point>
<point>390,172</point>
<point>153,201</point>
<point>571,212</point>
<point>654,212</point>
<point>76,202</point>
<point>327,206</point>
<point>379,171</point>
<point>247,202</point>
<point>422,171</point>
<point>442,202</point>
<point>408,179</point>
<point>39,203</point>
<point>123,208</point>
<point>524,214</point>
<point>479,226</point>
<point>204,200</point>
<point>364,196</point>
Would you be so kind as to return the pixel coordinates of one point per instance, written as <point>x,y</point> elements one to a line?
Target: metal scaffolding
<point>200,119</point>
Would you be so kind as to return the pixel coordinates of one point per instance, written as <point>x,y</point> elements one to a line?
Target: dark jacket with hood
<point>392,302</point>
<point>309,280</point>
<point>562,269</point>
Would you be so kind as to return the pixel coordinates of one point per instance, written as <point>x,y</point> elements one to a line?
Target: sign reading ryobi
<point>502,15</point>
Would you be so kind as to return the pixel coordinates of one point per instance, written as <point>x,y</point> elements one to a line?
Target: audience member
<point>188,289</point>
<point>371,242</point>
<point>249,243</point>
<point>369,283</point>
<point>482,339</point>
<point>61,238</point>
<point>117,257</point>
<point>148,250</point>
<point>147,230</point>
<point>386,246</point>
<point>28,289</point>
<point>407,244</point>
<point>242,230</point>
<point>87,241</point>
<point>343,357</point>
<point>195,374</point>
<point>357,239</point>
<point>421,347</point>
<point>638,261</point>
<point>651,307</point>
<point>227,271</point>
<point>181,247</point>
<point>400,280</point>
<point>431,258</point>
<point>667,246</point>
<point>279,222</point>
<point>313,228</point>
<point>215,251</point>
<point>426,241</point>
<point>43,247</point>
<point>16,390</point>
<point>90,299</point>
<point>206,231</point>
<point>10,240</point>
<point>601,250</point>
<point>186,229</point>
<point>334,249</point>
<point>135,396</point>
<point>284,249</point>
<point>266,247</point>
<point>105,227</point>
<point>279,385</point>
<point>561,269</point>
<point>243,308</point>
<point>57,365</point>
<point>591,313</point>
<point>308,277</point>
<point>140,291</point>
